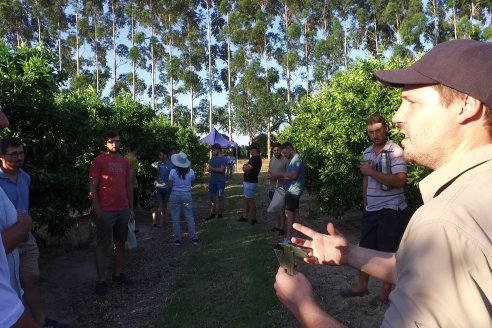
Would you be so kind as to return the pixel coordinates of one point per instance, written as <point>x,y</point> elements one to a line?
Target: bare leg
<point>213,205</point>
<point>252,208</point>
<point>32,297</point>
<point>220,204</point>
<point>101,263</point>
<point>119,259</point>
<point>155,213</point>
<point>245,208</point>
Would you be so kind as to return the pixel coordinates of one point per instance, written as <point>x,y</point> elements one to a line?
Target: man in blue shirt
<point>293,186</point>
<point>216,167</point>
<point>16,183</point>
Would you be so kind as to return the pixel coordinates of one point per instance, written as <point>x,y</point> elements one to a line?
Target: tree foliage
<point>62,133</point>
<point>330,133</point>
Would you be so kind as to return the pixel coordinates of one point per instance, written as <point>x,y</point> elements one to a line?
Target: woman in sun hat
<point>181,180</point>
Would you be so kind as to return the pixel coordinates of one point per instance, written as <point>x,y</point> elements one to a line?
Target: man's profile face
<point>427,126</point>
<point>277,152</point>
<point>13,158</point>
<point>112,144</point>
<point>378,133</point>
<point>288,152</point>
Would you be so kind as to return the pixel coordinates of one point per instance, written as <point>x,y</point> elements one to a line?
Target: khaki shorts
<point>29,258</point>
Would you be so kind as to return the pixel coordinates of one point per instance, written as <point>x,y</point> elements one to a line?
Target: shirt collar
<point>438,180</point>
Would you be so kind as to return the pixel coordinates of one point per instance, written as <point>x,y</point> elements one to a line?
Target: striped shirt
<point>394,198</point>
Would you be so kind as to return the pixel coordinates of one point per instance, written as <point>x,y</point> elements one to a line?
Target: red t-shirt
<point>112,172</point>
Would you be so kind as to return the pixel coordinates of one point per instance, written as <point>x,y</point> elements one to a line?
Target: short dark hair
<point>110,134</point>
<point>9,142</point>
<point>287,145</point>
<point>276,144</point>
<point>376,118</point>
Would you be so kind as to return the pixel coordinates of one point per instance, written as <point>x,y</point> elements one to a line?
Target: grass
<point>228,280</point>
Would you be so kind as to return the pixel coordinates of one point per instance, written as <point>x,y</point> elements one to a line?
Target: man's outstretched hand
<point>322,249</point>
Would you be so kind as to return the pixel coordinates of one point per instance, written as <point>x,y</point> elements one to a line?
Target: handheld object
<point>286,256</point>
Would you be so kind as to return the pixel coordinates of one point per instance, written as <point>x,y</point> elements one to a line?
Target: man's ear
<point>471,110</point>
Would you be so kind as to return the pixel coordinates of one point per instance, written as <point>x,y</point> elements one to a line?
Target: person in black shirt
<point>250,181</point>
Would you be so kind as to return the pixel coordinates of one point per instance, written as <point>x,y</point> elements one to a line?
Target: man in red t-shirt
<point>111,194</point>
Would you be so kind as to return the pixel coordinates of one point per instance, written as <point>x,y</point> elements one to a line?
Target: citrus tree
<point>330,133</point>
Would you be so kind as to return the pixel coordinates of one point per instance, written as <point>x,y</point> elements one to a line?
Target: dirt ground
<point>69,274</point>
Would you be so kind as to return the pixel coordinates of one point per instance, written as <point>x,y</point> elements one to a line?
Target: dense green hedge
<point>330,133</point>
<point>62,134</point>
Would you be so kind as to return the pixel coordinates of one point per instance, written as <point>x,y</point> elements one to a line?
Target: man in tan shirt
<point>442,269</point>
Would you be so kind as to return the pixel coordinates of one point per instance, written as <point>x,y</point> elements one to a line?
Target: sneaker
<point>287,241</point>
<point>253,221</point>
<point>274,229</point>
<point>101,288</point>
<point>177,243</point>
<point>281,232</point>
<point>220,216</point>
<point>122,279</point>
<point>241,219</point>
<point>154,225</point>
<point>196,241</point>
<point>210,217</point>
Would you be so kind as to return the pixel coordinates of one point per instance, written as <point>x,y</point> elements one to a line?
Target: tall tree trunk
<point>77,36</point>
<point>59,46</point>
<point>171,69</point>
<point>306,54</point>
<point>115,90</point>
<point>209,41</point>
<point>39,30</point>
<point>134,69</point>
<point>229,101</point>
<point>95,52</point>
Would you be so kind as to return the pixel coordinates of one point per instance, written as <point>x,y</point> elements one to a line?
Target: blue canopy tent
<point>214,137</point>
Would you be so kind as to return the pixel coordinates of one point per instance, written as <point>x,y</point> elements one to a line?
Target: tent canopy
<point>215,137</point>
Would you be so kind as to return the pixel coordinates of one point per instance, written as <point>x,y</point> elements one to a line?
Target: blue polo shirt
<point>17,192</point>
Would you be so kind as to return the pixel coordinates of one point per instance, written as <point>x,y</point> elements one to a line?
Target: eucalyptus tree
<point>308,18</point>
<point>134,10</point>
<point>407,22</point>
<point>213,23</point>
<point>16,26</point>
<point>193,51</point>
<point>150,20</point>
<point>328,51</point>
<point>118,20</point>
<point>59,24</point>
<point>38,10</point>
<point>263,39</point>
<point>225,9</point>
<point>372,30</point>
<point>438,27</point>
<point>469,18</point>
<point>170,12</point>
<point>94,27</point>
<point>287,53</point>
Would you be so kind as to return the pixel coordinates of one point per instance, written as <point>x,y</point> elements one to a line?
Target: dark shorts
<point>112,226</point>
<point>161,195</point>
<point>382,230</point>
<point>270,194</point>
<point>292,202</point>
<point>216,188</point>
